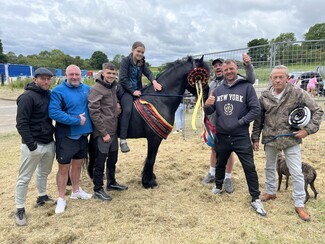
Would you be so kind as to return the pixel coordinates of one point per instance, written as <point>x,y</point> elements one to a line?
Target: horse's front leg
<point>148,177</point>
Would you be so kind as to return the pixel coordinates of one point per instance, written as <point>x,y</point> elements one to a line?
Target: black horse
<point>174,81</point>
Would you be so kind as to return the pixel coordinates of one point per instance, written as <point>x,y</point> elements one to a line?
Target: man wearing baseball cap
<point>37,149</point>
<point>250,76</point>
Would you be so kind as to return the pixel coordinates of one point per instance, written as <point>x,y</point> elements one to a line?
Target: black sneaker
<point>21,219</point>
<point>117,187</point>
<point>41,200</point>
<point>102,195</point>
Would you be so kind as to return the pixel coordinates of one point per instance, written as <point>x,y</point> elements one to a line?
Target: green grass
<point>263,74</point>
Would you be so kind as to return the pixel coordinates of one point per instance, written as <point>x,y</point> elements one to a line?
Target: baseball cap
<point>218,60</point>
<point>42,71</point>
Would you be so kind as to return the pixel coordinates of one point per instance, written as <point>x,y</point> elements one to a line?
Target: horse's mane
<point>174,65</point>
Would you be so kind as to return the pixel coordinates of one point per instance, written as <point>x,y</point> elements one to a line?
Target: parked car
<point>305,78</point>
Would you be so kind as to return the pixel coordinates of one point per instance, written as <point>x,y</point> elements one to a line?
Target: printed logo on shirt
<point>228,108</point>
<point>230,97</point>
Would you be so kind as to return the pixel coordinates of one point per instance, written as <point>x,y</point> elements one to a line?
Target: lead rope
<point>199,78</point>
<point>199,103</point>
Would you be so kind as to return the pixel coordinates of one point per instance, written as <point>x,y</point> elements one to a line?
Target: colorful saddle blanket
<point>209,133</point>
<point>152,117</point>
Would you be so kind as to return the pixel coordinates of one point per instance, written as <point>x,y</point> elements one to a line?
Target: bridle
<point>198,77</point>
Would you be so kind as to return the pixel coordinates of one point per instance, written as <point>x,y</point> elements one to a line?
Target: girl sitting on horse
<point>131,69</point>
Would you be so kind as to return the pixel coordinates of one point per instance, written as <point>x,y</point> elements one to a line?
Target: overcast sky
<point>170,29</point>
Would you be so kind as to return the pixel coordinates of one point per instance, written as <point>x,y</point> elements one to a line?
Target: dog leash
<point>277,136</point>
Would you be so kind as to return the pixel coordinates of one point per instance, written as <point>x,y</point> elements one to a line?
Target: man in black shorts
<point>69,108</point>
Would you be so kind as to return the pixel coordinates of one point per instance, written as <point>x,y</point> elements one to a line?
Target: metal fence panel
<point>299,56</point>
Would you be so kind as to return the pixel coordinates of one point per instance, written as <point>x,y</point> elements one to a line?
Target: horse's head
<point>200,74</point>
<point>183,73</point>
<point>177,77</point>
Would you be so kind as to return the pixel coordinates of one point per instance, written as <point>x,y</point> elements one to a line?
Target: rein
<point>198,78</point>
<point>161,95</point>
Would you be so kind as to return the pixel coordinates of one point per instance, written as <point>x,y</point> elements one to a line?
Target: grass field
<point>179,210</point>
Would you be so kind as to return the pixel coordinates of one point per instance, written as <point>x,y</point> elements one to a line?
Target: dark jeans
<point>126,103</point>
<point>99,165</point>
<point>242,146</point>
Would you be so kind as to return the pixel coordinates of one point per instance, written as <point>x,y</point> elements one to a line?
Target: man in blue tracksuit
<point>69,108</point>
<point>236,105</point>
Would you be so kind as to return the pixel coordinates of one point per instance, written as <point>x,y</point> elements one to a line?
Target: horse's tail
<point>91,155</point>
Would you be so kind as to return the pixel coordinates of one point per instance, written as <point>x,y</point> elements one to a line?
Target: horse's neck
<point>173,84</point>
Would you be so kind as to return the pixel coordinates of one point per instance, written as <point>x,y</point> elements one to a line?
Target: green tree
<point>12,58</point>
<point>59,59</point>
<point>79,62</point>
<point>3,57</point>
<point>258,50</point>
<point>283,44</point>
<point>97,59</point>
<point>1,47</point>
<point>316,32</point>
<point>87,63</point>
<point>257,42</point>
<point>285,37</point>
<point>117,60</point>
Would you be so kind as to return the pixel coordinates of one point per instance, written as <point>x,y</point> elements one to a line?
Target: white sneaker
<point>60,205</point>
<point>258,206</point>
<point>80,194</point>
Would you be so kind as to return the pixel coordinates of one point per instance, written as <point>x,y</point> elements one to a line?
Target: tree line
<point>287,45</point>
<point>58,59</point>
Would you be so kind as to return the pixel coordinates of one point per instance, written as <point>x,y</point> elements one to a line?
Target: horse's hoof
<point>146,186</point>
<point>152,184</point>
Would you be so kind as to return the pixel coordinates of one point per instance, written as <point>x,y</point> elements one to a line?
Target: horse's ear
<point>201,59</point>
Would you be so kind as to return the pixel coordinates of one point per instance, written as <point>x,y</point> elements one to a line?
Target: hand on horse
<point>137,93</point>
<point>106,138</point>
<point>156,85</point>
<point>210,101</point>
<point>82,118</point>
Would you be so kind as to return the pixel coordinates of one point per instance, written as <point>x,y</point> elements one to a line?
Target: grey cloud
<point>169,29</point>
